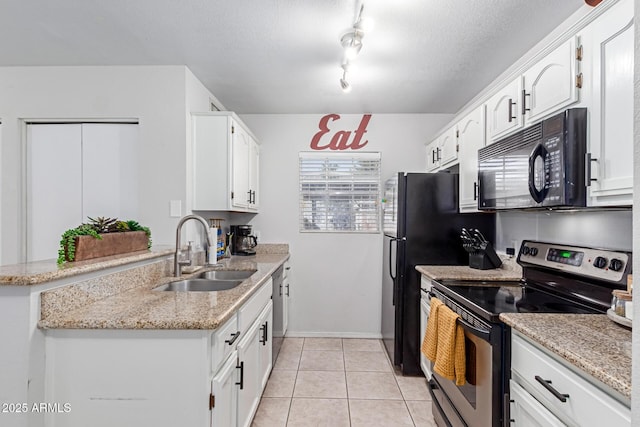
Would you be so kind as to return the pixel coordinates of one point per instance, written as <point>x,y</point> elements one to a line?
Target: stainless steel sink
<point>199,285</point>
<point>226,274</point>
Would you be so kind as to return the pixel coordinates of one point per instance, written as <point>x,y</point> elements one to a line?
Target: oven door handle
<point>480,333</point>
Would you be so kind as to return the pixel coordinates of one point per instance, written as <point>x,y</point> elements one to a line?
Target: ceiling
<point>284,56</point>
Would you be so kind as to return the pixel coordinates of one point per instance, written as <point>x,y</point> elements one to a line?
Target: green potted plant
<point>102,237</point>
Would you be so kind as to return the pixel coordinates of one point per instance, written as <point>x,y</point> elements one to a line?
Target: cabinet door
<point>611,136</point>
<point>54,186</point>
<point>550,85</point>
<point>254,174</point>
<point>110,159</point>
<point>433,151</point>
<point>249,362</point>
<point>266,344</point>
<point>285,304</point>
<point>240,166</point>
<point>471,137</point>
<point>528,412</point>
<point>448,153</point>
<point>425,364</point>
<point>225,391</point>
<point>503,111</point>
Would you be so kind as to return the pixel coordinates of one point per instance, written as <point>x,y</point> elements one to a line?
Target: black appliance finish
<point>422,227</point>
<point>242,241</point>
<point>542,166</point>
<point>557,278</point>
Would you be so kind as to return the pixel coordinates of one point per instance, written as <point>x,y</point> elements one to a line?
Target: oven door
<point>475,404</point>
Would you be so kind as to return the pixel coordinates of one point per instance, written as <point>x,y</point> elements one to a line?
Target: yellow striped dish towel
<point>450,360</point>
<point>430,340</point>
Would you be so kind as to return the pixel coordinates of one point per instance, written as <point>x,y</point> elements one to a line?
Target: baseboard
<point>303,334</point>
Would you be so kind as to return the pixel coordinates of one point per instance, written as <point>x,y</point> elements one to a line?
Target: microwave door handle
<point>537,195</point>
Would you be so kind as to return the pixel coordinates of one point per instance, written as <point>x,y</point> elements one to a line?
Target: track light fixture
<point>351,42</point>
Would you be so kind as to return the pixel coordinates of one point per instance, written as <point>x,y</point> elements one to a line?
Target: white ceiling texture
<point>284,56</point>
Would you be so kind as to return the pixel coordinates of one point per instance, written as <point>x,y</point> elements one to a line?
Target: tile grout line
<point>295,380</point>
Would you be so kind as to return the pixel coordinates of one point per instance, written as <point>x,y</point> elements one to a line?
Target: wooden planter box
<point>88,247</point>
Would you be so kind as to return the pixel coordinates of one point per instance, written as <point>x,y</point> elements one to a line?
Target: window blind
<point>339,192</point>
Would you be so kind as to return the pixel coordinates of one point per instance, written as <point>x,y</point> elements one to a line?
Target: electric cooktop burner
<point>492,298</point>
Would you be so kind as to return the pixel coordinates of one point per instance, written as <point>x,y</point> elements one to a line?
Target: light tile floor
<point>341,382</point>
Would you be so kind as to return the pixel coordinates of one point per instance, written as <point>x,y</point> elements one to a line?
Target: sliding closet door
<point>54,186</point>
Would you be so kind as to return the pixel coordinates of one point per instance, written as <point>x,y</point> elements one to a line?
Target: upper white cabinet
<point>443,151</point>
<point>503,116</point>
<point>548,86</point>
<point>610,53</point>
<point>471,138</point>
<point>225,163</point>
<point>551,84</point>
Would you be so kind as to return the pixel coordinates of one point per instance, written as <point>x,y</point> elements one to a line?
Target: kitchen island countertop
<point>591,342</point>
<point>144,308</point>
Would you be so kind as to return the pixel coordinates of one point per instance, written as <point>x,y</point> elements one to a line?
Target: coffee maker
<point>241,240</point>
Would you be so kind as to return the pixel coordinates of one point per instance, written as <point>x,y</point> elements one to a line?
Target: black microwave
<point>541,166</point>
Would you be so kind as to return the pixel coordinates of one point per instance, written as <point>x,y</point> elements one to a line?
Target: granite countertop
<point>591,342</point>
<point>143,308</point>
<point>39,272</point>
<point>508,271</point>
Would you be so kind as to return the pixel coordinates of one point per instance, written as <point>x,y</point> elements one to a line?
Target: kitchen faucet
<point>177,264</point>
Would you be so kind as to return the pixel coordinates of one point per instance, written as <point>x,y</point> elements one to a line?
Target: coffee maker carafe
<point>242,241</point>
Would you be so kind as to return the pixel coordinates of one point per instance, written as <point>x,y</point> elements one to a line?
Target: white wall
<point>602,228</point>
<point>155,95</point>
<point>336,278</point>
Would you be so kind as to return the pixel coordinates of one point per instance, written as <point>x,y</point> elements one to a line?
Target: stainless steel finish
<point>177,265</point>
<point>199,285</point>
<point>227,274</point>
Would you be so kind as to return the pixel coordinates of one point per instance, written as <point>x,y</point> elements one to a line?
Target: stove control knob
<point>533,251</point>
<point>600,262</point>
<point>525,250</point>
<point>615,264</point>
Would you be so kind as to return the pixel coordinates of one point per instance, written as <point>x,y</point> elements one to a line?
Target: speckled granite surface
<point>35,273</point>
<point>509,270</point>
<point>272,248</point>
<point>143,308</point>
<point>591,342</point>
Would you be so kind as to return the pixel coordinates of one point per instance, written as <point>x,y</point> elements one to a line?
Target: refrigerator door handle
<point>391,241</point>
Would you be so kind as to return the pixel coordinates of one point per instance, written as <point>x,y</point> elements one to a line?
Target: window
<point>339,192</point>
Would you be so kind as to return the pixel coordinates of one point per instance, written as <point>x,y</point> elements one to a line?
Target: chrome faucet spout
<point>177,264</point>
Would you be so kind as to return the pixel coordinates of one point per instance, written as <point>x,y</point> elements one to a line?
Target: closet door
<point>110,170</point>
<point>54,186</point>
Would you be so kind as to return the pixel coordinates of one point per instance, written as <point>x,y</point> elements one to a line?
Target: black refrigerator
<point>421,224</point>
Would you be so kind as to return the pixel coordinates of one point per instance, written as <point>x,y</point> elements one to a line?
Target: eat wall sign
<point>341,140</point>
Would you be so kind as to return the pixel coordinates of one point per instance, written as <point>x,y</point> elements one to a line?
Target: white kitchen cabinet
<point>443,151</point>
<point>161,377</point>
<point>503,114</point>
<point>540,375</point>
<point>547,87</point>
<point>225,163</point>
<point>249,363</point>
<point>286,295</point>
<point>611,55</point>
<point>266,344</point>
<point>425,309</point>
<point>471,137</point>
<point>224,394</point>
<point>94,174</point>
<point>526,411</point>
<point>550,85</point>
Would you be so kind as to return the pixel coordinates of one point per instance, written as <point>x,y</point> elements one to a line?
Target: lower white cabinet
<point>224,394</point>
<point>528,412</point>
<point>249,383</point>
<point>163,378</point>
<point>568,396</point>
<point>425,309</point>
<point>281,295</point>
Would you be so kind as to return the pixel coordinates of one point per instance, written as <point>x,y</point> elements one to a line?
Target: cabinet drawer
<point>223,342</point>
<point>586,404</point>
<point>252,308</point>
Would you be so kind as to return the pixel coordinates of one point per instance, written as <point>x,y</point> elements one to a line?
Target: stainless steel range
<point>557,278</point>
